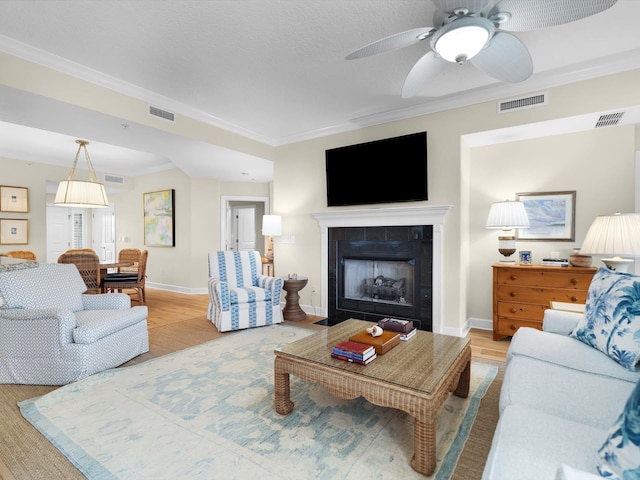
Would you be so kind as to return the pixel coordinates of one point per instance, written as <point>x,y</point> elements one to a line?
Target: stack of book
<point>404,327</point>
<point>557,262</point>
<point>354,352</point>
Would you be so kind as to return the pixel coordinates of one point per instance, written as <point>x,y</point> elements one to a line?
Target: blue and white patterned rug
<point>208,413</point>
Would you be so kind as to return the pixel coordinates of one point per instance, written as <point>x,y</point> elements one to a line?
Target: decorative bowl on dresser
<point>521,293</point>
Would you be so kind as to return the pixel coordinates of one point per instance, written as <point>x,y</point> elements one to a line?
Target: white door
<point>103,233</point>
<point>58,232</point>
<point>243,228</point>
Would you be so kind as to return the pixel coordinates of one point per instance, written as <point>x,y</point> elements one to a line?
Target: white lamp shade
<point>81,194</point>
<point>271,225</point>
<point>507,215</point>
<point>617,234</point>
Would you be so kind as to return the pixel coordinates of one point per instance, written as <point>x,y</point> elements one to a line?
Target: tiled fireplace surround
<point>388,217</point>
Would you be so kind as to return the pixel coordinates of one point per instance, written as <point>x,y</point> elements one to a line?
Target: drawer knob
<point>513,277</point>
<point>514,310</point>
<point>512,294</point>
<point>574,299</point>
<point>574,281</point>
<point>512,327</point>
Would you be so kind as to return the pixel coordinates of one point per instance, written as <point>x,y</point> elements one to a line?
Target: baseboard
<point>480,323</point>
<point>178,289</point>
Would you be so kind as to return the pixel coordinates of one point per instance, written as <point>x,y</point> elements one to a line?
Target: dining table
<point>105,266</point>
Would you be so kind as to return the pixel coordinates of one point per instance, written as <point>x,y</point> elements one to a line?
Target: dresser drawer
<point>524,311</point>
<point>540,295</point>
<point>507,327</point>
<point>559,278</point>
<point>522,293</point>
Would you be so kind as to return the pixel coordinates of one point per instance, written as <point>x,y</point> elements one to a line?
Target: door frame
<point>225,221</point>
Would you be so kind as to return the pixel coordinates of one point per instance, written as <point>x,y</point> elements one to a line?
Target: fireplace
<point>409,239</point>
<point>380,271</point>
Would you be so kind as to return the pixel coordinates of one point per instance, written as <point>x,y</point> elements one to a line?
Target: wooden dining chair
<point>118,282</point>
<point>88,264</point>
<point>25,254</point>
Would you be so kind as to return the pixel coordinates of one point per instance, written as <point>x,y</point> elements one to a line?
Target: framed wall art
<point>551,214</point>
<point>14,231</point>
<point>159,218</point>
<point>14,199</point>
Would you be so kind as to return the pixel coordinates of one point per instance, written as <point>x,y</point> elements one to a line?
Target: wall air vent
<point>114,179</point>
<point>522,102</point>
<point>609,120</point>
<point>157,112</point>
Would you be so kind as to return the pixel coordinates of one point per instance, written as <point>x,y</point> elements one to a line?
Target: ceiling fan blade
<point>505,58</point>
<point>473,6</point>
<point>393,42</point>
<point>524,15</point>
<point>422,73</point>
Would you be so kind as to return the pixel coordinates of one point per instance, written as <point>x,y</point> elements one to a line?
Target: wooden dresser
<point>521,293</point>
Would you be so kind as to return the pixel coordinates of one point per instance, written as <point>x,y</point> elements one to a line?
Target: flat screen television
<point>383,171</point>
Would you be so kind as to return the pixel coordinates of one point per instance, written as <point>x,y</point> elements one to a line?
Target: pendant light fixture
<point>81,193</point>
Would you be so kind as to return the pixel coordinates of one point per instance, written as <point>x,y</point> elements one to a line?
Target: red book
<point>355,347</point>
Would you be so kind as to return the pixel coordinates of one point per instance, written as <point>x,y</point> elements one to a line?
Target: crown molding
<point>606,66</point>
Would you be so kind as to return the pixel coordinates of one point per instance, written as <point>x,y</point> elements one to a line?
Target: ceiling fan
<point>477,31</point>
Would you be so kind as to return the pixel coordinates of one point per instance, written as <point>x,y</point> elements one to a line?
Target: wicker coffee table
<point>415,376</point>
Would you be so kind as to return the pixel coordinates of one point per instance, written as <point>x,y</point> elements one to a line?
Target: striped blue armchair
<point>239,295</point>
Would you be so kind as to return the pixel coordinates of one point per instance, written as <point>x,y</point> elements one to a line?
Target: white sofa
<point>52,334</point>
<point>558,400</point>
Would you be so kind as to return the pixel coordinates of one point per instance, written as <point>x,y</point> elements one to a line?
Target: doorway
<point>241,222</point>
<point>80,228</point>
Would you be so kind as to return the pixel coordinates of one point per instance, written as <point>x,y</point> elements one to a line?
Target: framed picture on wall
<point>551,214</point>
<point>14,199</point>
<point>159,218</point>
<point>14,231</point>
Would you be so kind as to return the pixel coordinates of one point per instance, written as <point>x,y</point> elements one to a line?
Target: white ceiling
<point>271,70</point>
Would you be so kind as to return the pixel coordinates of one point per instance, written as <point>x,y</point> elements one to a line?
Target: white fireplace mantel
<point>387,217</point>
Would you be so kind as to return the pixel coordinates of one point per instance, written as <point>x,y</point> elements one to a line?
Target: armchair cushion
<point>611,323</point>
<point>620,453</point>
<point>93,325</point>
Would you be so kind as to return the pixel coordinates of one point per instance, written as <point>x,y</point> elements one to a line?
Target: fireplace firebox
<point>377,272</point>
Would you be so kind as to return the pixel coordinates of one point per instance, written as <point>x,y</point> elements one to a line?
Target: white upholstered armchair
<point>239,296</point>
<point>51,333</point>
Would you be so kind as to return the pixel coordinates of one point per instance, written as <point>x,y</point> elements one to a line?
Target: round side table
<point>292,310</point>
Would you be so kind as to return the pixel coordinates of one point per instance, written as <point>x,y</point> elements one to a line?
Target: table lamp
<point>616,235</point>
<point>506,216</point>
<point>271,226</point>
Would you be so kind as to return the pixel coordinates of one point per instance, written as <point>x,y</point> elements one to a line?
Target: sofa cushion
<point>93,325</point>
<point>561,391</point>
<point>620,453</point>
<point>51,285</point>
<point>529,444</point>
<point>566,351</point>
<point>611,323</point>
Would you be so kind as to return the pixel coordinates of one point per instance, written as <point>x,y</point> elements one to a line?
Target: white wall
<point>597,164</point>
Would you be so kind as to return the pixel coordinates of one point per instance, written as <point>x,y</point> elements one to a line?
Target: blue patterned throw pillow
<point>611,320</point>
<point>620,453</point>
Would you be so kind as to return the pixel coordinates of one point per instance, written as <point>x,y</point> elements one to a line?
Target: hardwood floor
<point>176,321</point>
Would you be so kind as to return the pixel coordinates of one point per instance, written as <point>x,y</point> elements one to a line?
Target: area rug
<point>207,412</point>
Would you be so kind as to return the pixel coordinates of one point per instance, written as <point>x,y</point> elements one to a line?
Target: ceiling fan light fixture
<point>462,39</point>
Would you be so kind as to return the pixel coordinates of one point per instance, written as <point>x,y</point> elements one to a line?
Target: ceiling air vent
<point>522,102</point>
<point>157,112</point>
<point>609,120</point>
<point>114,179</point>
